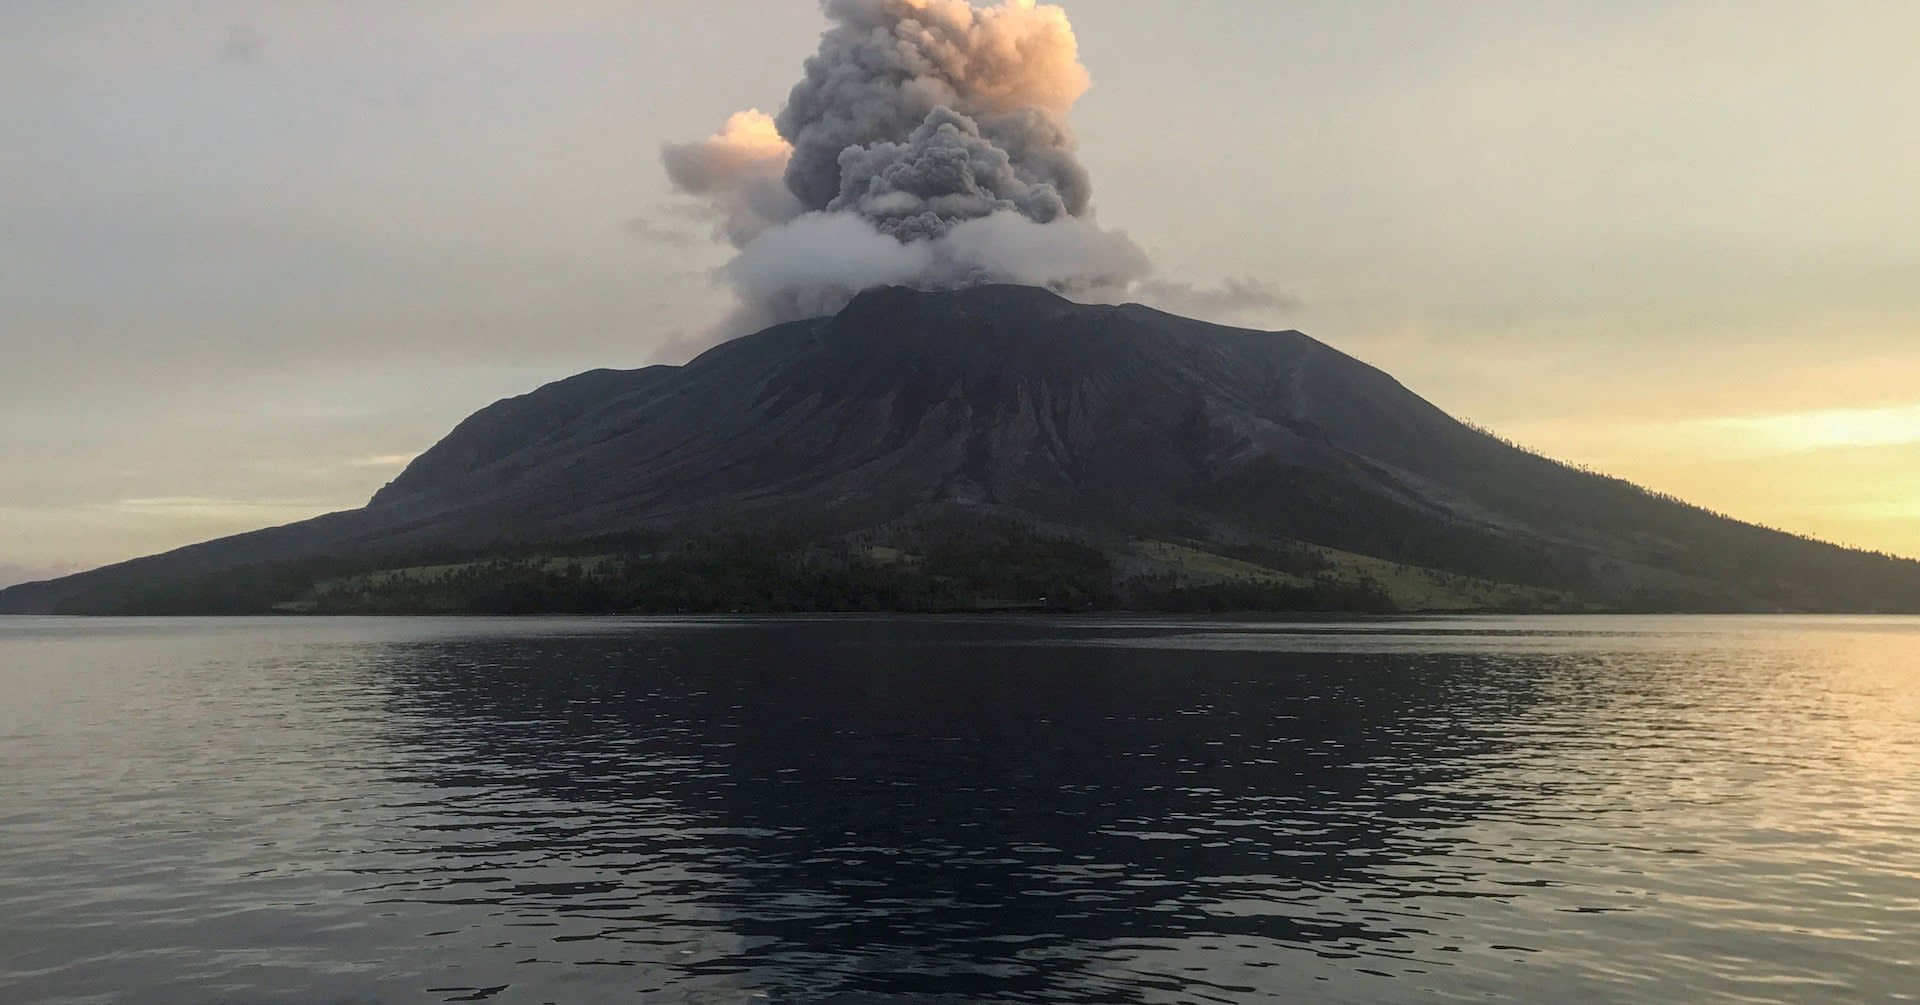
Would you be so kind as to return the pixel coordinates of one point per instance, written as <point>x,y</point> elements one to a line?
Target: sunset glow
<point>1865,427</point>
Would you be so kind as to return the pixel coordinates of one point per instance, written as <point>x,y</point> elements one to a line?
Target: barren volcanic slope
<point>1112,425</point>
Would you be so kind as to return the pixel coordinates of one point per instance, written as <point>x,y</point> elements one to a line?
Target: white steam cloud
<point>926,146</point>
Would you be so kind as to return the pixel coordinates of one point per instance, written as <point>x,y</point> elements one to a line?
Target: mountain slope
<point>1110,423</point>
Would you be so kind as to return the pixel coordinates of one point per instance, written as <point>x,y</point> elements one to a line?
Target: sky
<point>254,256</point>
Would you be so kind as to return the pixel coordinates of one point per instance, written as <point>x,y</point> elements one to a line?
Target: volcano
<point>1176,449</point>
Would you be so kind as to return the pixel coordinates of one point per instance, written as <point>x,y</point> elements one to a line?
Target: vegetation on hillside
<point>952,563</point>
<point>947,565</point>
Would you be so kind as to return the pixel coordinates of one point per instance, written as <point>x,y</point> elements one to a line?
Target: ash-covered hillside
<point>1185,453</point>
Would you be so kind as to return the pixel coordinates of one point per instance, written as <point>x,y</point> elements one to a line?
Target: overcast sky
<point>255,255</point>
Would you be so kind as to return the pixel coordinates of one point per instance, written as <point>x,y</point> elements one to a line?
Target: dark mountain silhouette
<point>1109,425</point>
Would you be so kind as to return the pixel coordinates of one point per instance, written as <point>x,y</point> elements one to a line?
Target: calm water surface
<point>1576,810</point>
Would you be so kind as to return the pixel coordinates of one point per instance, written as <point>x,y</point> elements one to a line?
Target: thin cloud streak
<point>202,508</point>
<point>384,460</point>
<point>1235,297</point>
<point>1742,437</point>
<point>1847,427</point>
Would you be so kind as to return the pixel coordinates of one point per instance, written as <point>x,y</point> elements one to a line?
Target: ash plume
<point>740,172</point>
<point>926,145</point>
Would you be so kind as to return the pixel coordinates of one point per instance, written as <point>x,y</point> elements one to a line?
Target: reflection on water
<point>1624,810</point>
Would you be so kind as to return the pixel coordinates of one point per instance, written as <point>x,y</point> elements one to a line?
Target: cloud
<point>1234,297</point>
<point>206,508</point>
<point>815,264</point>
<point>1887,431</point>
<point>926,145</point>
<point>1830,428</point>
<point>242,45</point>
<point>384,461</point>
<point>739,173</point>
<point>644,229</point>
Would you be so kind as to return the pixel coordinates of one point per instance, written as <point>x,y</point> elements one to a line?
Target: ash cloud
<point>815,264</point>
<point>1236,296</point>
<point>926,145</point>
<point>740,173</point>
<point>946,173</point>
<point>887,67</point>
<point>645,229</point>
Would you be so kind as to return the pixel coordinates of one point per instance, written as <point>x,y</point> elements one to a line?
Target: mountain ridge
<point>1108,424</point>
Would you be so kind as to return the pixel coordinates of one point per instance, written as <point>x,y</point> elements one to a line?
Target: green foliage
<point>1001,562</point>
<point>946,564</point>
<point>1324,594</point>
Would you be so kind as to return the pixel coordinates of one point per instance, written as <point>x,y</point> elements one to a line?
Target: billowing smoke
<point>741,173</point>
<point>927,146</point>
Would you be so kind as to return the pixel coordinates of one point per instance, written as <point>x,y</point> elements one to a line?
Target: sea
<point>974,810</point>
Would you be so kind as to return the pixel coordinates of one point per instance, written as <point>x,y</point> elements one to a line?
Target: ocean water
<point>1530,809</point>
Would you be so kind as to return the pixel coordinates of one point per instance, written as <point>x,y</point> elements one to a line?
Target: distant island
<point>992,449</point>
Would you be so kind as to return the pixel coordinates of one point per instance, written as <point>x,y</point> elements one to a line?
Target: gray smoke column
<point>740,172</point>
<point>927,145</point>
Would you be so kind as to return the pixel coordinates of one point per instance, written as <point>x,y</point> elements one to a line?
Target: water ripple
<point>739,810</point>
